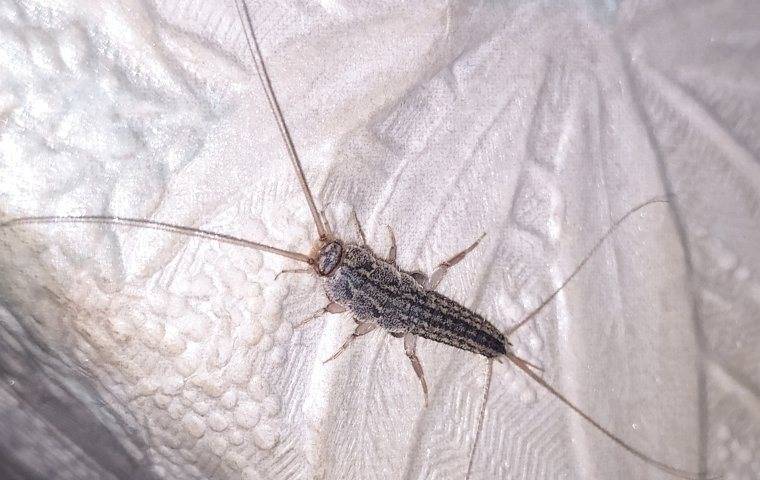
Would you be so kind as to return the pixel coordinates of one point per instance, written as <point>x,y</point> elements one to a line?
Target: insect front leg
<point>332,307</point>
<point>293,270</point>
<point>362,328</point>
<point>359,227</point>
<point>438,274</point>
<point>328,228</point>
<point>391,251</point>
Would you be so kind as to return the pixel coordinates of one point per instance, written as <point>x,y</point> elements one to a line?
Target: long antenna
<point>166,227</point>
<point>583,262</point>
<point>274,106</point>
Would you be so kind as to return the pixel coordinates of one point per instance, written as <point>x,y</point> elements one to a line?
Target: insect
<point>370,287</point>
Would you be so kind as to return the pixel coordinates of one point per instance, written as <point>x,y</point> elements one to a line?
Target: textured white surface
<point>134,354</point>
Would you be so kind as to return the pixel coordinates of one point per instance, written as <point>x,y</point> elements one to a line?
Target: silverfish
<point>374,290</point>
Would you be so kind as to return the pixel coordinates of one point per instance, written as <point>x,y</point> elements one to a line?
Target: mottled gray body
<point>377,291</point>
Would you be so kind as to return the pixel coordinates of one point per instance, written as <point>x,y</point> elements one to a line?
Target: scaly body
<point>375,290</point>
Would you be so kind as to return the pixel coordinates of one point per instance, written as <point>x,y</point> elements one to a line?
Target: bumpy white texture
<point>134,354</point>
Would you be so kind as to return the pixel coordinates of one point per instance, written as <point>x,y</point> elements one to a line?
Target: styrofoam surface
<point>133,354</point>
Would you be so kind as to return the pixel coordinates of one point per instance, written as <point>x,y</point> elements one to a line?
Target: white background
<point>126,353</point>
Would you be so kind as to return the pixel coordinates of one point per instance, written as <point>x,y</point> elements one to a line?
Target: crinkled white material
<point>136,354</point>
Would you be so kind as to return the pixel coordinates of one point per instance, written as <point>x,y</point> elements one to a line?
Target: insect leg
<point>392,251</point>
<point>410,343</point>
<point>293,270</point>
<point>443,267</point>
<point>331,307</point>
<point>328,228</point>
<point>362,329</point>
<point>359,226</point>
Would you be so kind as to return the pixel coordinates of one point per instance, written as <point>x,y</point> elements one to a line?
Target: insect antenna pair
<point>522,364</point>
<point>355,278</point>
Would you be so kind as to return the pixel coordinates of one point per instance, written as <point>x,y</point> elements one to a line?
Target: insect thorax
<point>367,286</point>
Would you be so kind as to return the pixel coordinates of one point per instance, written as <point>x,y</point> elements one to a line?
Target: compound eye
<point>329,258</point>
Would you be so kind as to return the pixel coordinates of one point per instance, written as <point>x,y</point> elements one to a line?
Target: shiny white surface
<point>133,353</point>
